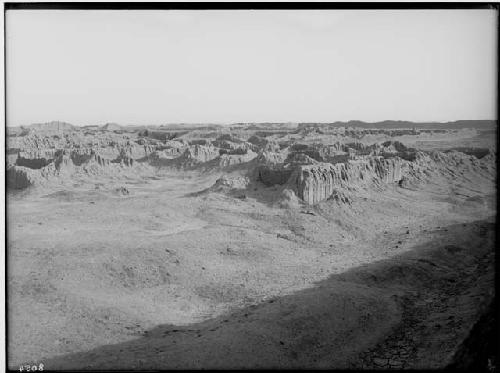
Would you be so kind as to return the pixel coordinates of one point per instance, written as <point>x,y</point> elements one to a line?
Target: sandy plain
<point>169,275</point>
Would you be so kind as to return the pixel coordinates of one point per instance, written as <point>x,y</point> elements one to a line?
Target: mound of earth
<point>51,126</point>
<point>111,127</point>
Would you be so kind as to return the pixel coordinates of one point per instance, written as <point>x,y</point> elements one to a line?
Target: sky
<point>91,67</point>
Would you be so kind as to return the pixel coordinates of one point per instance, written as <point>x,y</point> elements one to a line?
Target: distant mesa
<point>111,127</point>
<point>482,125</point>
<point>399,124</point>
<point>51,126</point>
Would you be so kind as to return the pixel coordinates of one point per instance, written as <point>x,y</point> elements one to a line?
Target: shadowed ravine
<point>410,311</point>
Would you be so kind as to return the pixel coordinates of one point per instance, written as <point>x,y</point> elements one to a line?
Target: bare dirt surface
<point>164,264</point>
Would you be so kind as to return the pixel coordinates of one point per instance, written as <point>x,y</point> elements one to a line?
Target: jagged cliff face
<point>19,177</point>
<point>64,165</point>
<point>201,153</point>
<point>100,160</point>
<point>318,169</point>
<point>315,183</point>
<point>33,163</point>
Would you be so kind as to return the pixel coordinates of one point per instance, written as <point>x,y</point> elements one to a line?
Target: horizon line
<point>253,122</point>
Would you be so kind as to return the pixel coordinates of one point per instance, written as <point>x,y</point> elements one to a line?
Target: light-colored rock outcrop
<point>200,153</point>
<point>315,183</point>
<point>319,168</point>
<point>238,182</point>
<point>226,160</point>
<point>272,158</point>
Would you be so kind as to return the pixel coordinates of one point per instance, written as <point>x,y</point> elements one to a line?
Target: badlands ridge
<point>309,163</point>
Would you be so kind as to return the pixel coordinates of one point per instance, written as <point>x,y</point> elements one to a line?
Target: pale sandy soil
<point>91,267</point>
<point>410,311</point>
<point>166,277</point>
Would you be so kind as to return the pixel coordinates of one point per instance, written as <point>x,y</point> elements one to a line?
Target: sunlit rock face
<point>315,183</point>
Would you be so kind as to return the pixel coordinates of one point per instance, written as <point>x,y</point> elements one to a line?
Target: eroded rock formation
<point>19,177</point>
<point>316,167</point>
<point>315,183</point>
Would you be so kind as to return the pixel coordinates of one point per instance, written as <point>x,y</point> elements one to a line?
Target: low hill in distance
<point>397,124</point>
<point>51,126</point>
<point>111,127</point>
<point>483,125</point>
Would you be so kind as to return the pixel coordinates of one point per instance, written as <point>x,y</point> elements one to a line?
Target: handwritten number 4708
<point>31,368</point>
